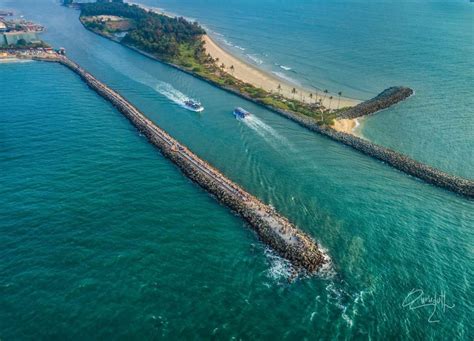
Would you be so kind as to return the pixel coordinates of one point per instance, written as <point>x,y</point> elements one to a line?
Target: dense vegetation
<point>178,41</point>
<point>152,32</point>
<point>23,44</point>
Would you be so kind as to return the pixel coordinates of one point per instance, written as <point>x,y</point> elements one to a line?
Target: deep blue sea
<point>103,238</point>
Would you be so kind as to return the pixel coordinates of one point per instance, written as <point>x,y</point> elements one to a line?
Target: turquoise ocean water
<point>101,237</point>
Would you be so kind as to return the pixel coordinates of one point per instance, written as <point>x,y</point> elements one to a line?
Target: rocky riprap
<point>382,101</point>
<point>385,99</point>
<point>271,227</point>
<point>395,159</point>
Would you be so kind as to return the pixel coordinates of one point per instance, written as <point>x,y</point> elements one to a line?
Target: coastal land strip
<point>253,75</point>
<point>385,99</point>
<point>271,227</point>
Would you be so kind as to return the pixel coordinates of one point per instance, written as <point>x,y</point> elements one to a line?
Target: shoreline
<point>258,77</point>
<point>383,100</point>
<point>350,126</point>
<point>346,125</point>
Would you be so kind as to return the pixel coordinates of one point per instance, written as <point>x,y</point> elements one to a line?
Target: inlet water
<point>103,238</point>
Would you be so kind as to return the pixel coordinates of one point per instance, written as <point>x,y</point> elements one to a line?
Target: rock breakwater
<point>272,228</point>
<point>393,158</point>
<point>384,100</point>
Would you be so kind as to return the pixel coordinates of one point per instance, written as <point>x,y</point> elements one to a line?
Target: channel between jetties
<point>384,100</point>
<point>387,98</point>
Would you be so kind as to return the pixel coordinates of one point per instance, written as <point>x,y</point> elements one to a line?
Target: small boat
<point>240,113</point>
<point>193,105</point>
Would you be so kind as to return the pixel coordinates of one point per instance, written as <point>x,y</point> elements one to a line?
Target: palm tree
<point>293,91</point>
<point>310,95</point>
<point>232,69</point>
<point>321,108</point>
<point>279,88</point>
<point>222,66</point>
<point>330,100</point>
<point>325,93</point>
<point>339,100</point>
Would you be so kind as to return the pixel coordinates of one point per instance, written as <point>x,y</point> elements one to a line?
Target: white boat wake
<point>170,92</point>
<point>144,78</point>
<point>264,130</point>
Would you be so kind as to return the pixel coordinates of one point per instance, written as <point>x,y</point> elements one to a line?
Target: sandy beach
<point>249,73</point>
<point>345,125</point>
<point>259,78</point>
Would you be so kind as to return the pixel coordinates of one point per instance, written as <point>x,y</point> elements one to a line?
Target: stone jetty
<point>404,163</point>
<point>271,227</point>
<point>384,100</point>
<point>387,98</point>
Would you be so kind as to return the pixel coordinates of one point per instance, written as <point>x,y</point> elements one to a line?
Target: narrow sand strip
<point>345,125</point>
<point>251,74</point>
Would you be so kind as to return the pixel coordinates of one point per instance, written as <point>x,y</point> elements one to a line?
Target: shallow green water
<point>102,237</point>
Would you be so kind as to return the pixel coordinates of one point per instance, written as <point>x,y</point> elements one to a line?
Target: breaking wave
<point>285,77</point>
<point>254,59</point>
<point>280,268</point>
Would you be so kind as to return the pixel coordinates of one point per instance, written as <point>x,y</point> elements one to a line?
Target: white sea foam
<point>357,123</point>
<point>239,47</point>
<point>285,77</point>
<point>280,268</point>
<point>255,59</point>
<point>336,295</point>
<point>327,269</point>
<point>228,43</point>
<point>287,68</point>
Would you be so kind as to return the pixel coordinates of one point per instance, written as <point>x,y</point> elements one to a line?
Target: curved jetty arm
<point>384,100</point>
